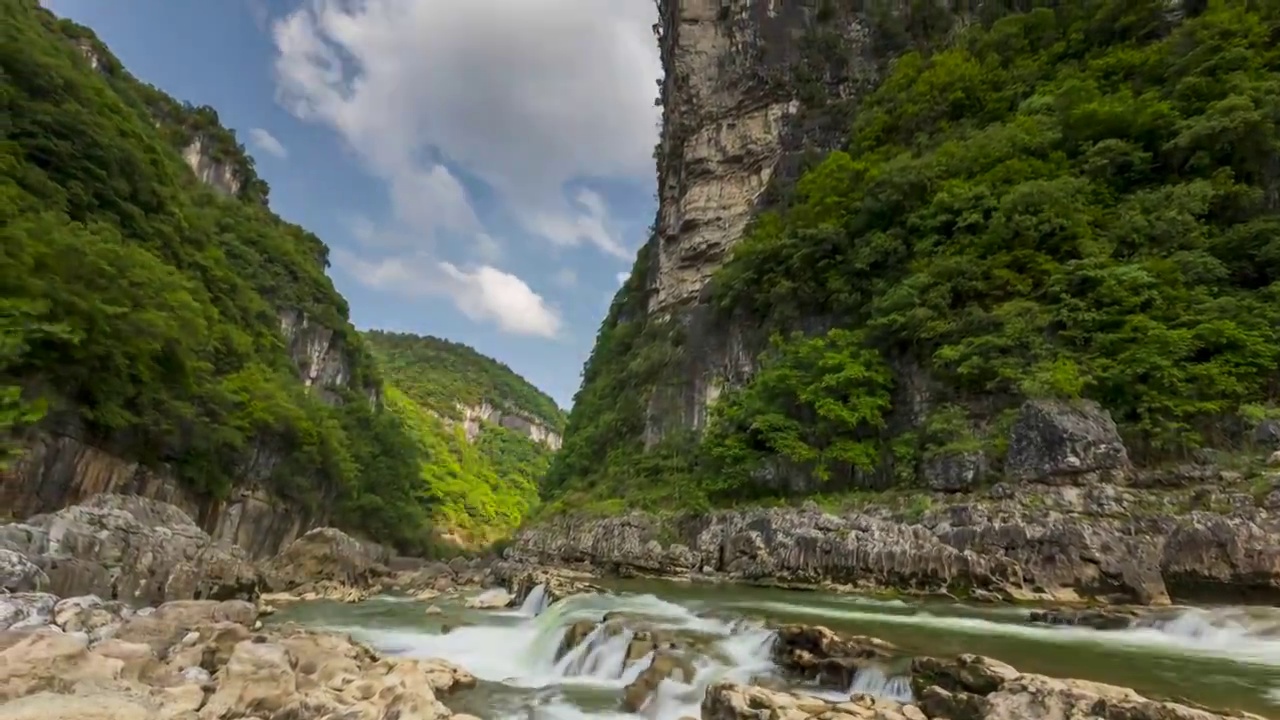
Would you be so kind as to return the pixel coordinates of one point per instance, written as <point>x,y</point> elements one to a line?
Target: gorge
<point>958,333</point>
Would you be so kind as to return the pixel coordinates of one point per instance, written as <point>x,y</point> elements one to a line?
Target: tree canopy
<point>1080,200</point>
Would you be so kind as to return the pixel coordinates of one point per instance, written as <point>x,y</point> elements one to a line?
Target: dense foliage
<point>1076,201</point>
<point>440,374</point>
<point>477,492</point>
<point>142,308</point>
<point>482,490</point>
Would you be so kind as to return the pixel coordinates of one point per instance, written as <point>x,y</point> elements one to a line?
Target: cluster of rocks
<point>1070,521</point>
<point>84,658</point>
<point>967,687</point>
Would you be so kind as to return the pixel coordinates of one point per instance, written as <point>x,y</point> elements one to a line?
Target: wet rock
<point>664,665</point>
<point>1054,441</point>
<point>574,636</point>
<point>327,555</point>
<point>133,549</point>
<point>334,591</point>
<point>559,584</point>
<point>972,686</point>
<point>1098,619</point>
<point>813,652</point>
<point>492,599</point>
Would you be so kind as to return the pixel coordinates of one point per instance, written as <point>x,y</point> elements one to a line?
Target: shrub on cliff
<point>1076,201</point>
<point>1070,202</point>
<point>144,306</point>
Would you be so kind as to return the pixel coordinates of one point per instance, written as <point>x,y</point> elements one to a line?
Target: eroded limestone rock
<point>132,549</point>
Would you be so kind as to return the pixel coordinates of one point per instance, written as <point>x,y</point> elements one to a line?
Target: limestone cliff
<point>751,87</point>
<point>474,418</point>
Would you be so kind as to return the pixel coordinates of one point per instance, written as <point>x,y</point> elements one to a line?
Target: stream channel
<point>1223,657</point>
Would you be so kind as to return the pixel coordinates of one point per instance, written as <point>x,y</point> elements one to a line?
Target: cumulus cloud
<point>267,143</point>
<point>532,97</point>
<point>483,293</point>
<point>622,277</point>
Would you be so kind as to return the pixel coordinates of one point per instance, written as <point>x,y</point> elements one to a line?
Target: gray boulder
<point>131,549</point>
<point>1058,442</point>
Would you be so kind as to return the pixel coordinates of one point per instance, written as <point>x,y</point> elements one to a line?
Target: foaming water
<point>523,654</point>
<point>1220,633</point>
<point>1215,655</point>
<point>536,602</point>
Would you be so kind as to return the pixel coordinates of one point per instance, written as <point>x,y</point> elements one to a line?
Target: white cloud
<point>267,143</point>
<point>483,293</point>
<point>527,95</point>
<point>591,225</point>
<point>622,277</point>
<point>487,293</point>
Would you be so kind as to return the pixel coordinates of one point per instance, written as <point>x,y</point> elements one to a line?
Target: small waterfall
<point>871,680</point>
<point>600,655</point>
<point>536,601</point>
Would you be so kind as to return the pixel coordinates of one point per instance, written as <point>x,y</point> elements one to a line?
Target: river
<point>1224,657</point>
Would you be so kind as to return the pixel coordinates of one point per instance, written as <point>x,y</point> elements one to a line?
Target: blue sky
<point>481,170</point>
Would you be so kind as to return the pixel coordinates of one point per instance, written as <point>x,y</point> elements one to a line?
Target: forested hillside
<point>1080,201</point>
<point>482,477</point>
<point>441,375</point>
<point>141,309</point>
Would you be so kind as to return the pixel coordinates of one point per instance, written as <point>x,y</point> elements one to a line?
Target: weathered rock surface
<point>521,579</point>
<point>1062,543</point>
<point>1061,441</point>
<point>1054,531</point>
<point>664,665</point>
<point>127,548</point>
<point>201,660</point>
<point>491,599</point>
<point>813,652</point>
<point>328,555</point>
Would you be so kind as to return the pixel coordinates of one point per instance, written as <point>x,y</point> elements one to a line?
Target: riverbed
<point>1223,657</point>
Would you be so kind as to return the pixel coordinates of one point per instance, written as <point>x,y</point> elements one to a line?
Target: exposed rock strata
<point>473,417</point>
<point>1053,530</point>
<point>57,471</point>
<point>131,549</point>
<point>215,173</point>
<point>1059,543</point>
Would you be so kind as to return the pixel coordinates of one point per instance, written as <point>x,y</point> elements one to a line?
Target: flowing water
<point>1222,657</point>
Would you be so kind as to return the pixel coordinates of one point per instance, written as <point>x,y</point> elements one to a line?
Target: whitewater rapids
<point>514,652</point>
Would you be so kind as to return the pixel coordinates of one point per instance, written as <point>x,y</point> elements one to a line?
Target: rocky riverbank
<point>149,649</point>
<point>83,658</point>
<point>1070,520</point>
<point>831,667</point>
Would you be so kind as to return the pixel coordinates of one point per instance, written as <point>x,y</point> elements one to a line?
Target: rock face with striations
<point>124,548</point>
<point>1035,537</point>
<point>734,127</point>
